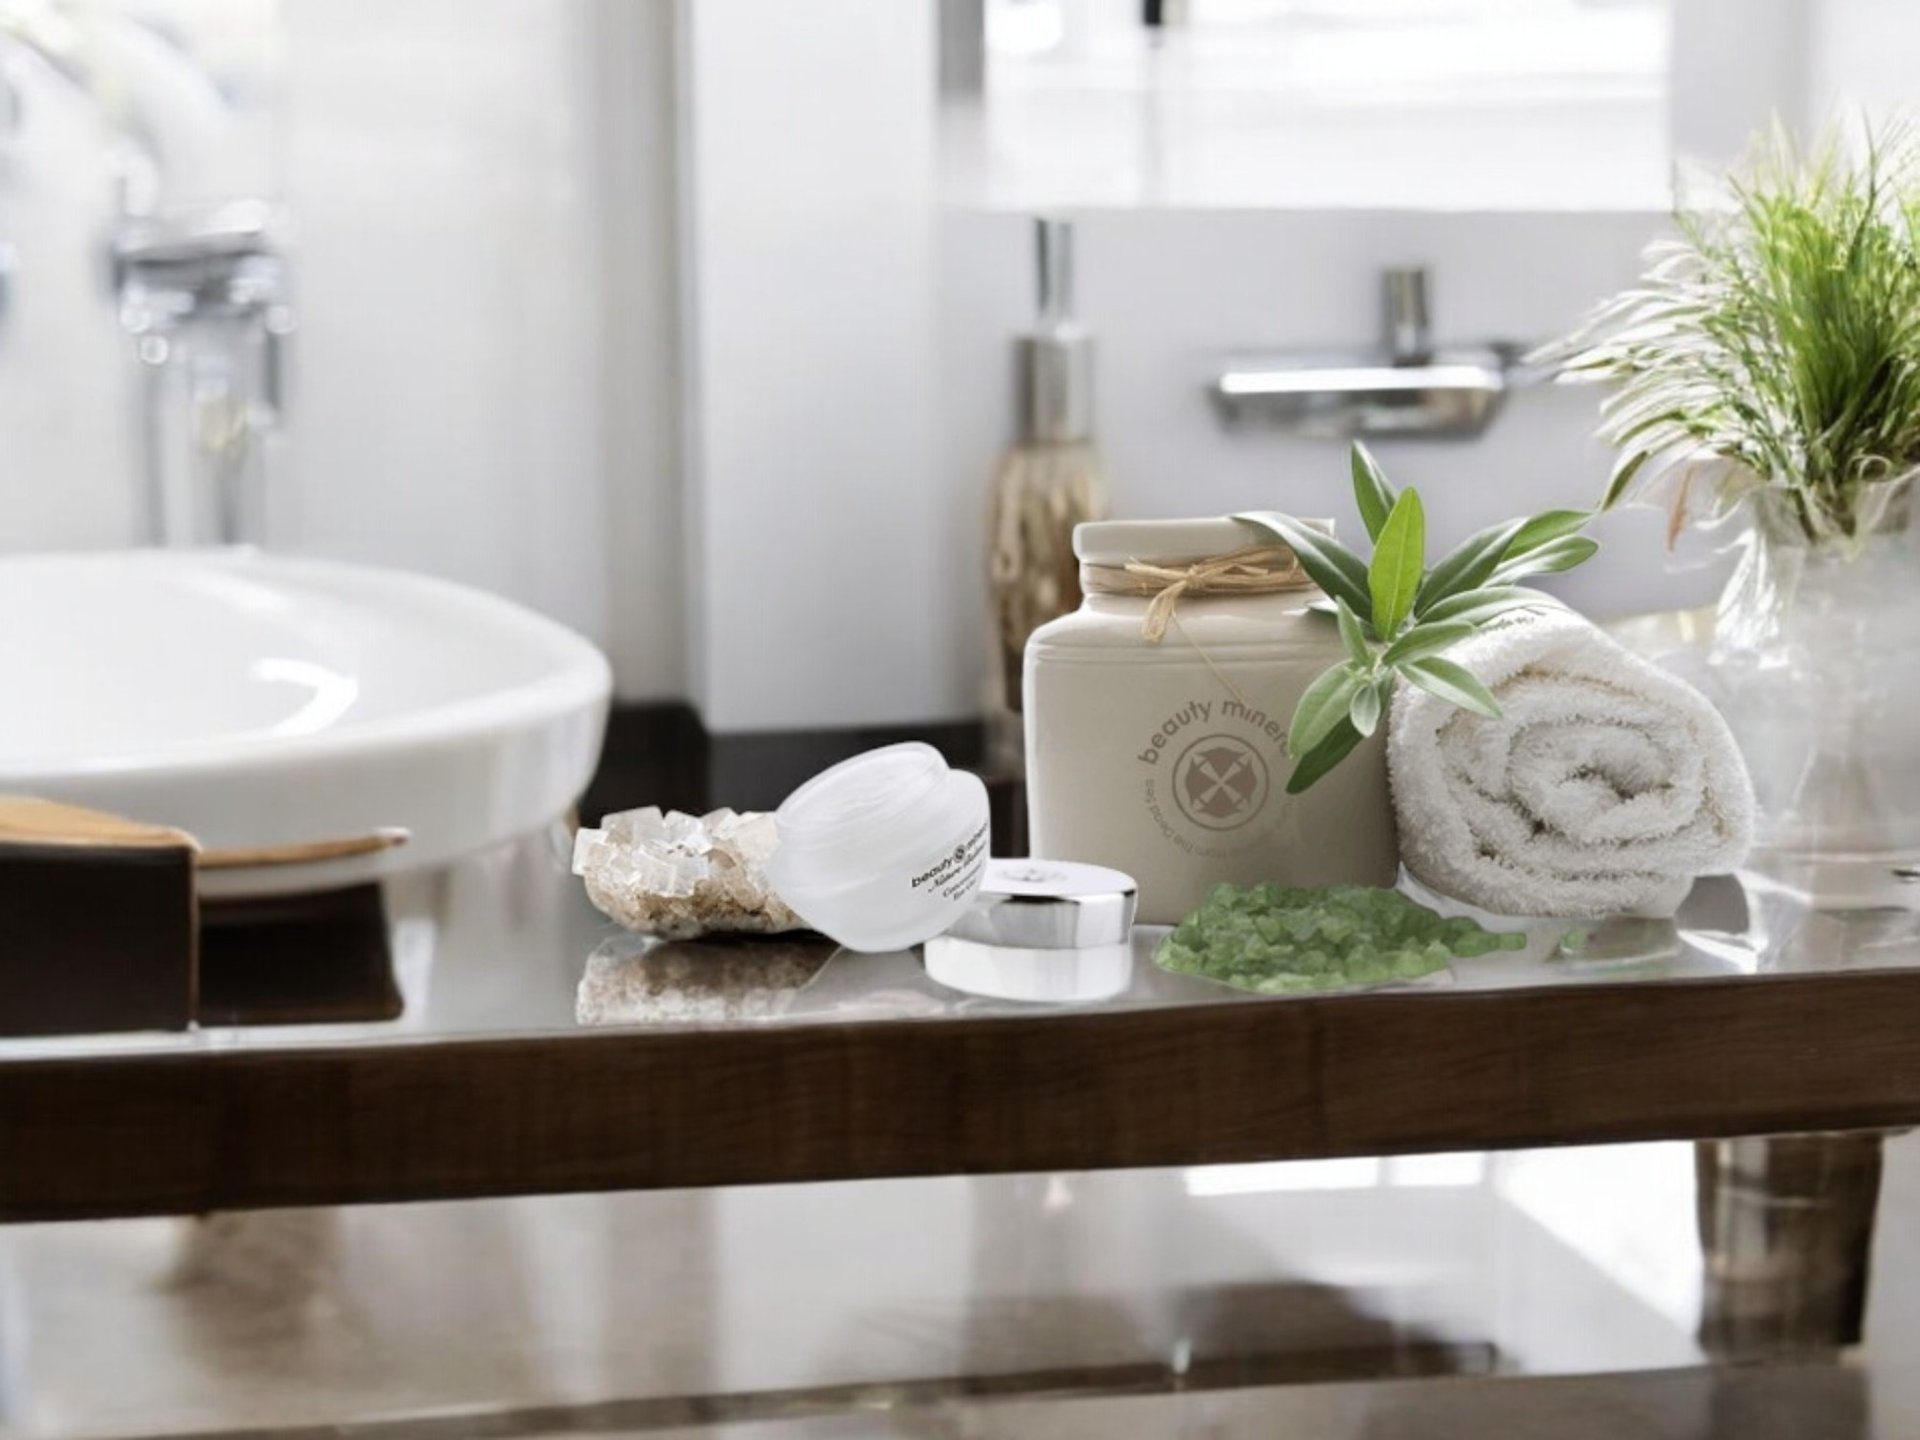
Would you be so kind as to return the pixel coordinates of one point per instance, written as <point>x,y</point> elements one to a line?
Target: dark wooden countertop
<point>486,1081</point>
<point>848,1089</point>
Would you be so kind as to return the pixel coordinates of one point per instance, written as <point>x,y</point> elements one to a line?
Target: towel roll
<point>1606,787</point>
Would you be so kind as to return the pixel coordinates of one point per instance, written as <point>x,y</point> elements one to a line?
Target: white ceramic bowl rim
<point>580,675</point>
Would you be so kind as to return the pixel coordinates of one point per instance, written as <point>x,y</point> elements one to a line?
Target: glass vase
<point>1816,663</point>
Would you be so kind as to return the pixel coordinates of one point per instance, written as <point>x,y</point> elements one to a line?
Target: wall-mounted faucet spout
<point>202,296</point>
<point>1407,387</point>
<point>197,275</point>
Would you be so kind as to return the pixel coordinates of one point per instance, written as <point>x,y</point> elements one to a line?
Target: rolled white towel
<point>1605,788</point>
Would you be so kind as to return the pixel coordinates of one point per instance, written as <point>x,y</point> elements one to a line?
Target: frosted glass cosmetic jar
<point>883,851</point>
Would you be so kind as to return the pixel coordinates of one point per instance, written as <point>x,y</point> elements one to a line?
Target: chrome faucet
<point>200,289</point>
<point>1404,388</point>
<point>202,295</point>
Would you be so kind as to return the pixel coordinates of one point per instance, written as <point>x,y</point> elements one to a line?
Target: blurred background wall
<point>688,323</point>
<point>481,206</point>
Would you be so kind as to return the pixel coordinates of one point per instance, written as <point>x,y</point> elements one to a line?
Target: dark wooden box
<point>96,939</point>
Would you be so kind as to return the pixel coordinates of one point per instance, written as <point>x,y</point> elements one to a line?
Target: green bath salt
<point>1284,942</point>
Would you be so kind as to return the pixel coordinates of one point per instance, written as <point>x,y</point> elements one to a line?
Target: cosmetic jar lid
<point>1049,905</point>
<point>1120,542</point>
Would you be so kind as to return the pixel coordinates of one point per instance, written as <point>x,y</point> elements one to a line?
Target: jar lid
<point>1116,542</point>
<point>1049,905</point>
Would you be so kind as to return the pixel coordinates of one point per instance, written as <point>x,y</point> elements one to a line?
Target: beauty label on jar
<point>956,874</point>
<point>1208,773</point>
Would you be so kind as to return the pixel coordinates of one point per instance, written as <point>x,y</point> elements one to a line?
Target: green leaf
<point>1623,472</point>
<point>1428,638</point>
<point>1364,711</point>
<point>1371,492</point>
<point>1323,757</point>
<point>1328,563</point>
<point>1323,706</point>
<point>1547,526</point>
<point>1550,558</point>
<point>1354,634</point>
<point>1453,683</point>
<point>1384,682</point>
<point>1466,566</point>
<point>1398,562</point>
<point>1476,607</point>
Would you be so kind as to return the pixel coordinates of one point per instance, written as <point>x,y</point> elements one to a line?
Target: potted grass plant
<point>1764,378</point>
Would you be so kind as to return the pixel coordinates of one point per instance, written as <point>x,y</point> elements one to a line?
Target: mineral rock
<point>678,876</point>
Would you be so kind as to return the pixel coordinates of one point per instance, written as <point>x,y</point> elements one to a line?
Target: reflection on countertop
<point>1355,1298</point>
<point>718,981</point>
<point>792,1298</point>
<point>505,943</point>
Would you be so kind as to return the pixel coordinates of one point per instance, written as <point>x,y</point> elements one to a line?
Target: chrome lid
<point>1049,905</point>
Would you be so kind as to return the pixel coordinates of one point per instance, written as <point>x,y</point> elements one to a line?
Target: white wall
<point>836,542</point>
<point>815,565</point>
<point>855,592</point>
<point>66,378</point>
<point>842,576</point>
<point>1862,53</point>
<point>1736,64</point>
<point>639,301</point>
<point>808,638</point>
<point>1168,294</point>
<point>483,378</point>
<point>514,293</point>
<point>444,402</point>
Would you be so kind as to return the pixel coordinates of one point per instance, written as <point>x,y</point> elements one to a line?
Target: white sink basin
<point>264,701</point>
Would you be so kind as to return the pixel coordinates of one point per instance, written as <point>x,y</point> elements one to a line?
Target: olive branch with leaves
<point>1398,617</point>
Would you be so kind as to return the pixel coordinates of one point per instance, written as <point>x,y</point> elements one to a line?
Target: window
<point>1428,104</point>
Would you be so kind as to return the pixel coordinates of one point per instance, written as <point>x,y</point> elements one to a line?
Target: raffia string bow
<point>1257,570</point>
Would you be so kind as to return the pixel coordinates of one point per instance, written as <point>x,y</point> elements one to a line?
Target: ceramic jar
<point>1166,758</point>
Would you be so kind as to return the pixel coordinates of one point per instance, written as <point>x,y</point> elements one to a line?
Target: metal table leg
<point>1786,1235</point>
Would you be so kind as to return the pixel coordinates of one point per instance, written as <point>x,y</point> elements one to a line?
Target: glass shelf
<point>506,944</point>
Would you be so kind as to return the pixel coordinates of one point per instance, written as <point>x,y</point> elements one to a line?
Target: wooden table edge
<point>1235,1082</point>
